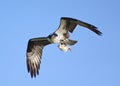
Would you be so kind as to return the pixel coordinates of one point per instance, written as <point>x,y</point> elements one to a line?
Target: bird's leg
<point>63,46</point>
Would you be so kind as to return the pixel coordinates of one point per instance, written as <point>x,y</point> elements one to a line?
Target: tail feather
<point>71,42</point>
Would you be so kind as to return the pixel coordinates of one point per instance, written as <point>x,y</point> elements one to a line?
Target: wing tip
<point>33,73</point>
<point>98,32</point>
<point>95,29</point>
<point>33,68</point>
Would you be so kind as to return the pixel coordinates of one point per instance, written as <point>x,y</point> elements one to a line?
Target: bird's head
<point>52,35</point>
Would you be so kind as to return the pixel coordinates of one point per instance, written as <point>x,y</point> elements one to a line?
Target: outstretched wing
<point>69,24</point>
<point>34,54</point>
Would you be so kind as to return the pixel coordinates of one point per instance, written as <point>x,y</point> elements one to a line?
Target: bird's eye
<point>55,34</point>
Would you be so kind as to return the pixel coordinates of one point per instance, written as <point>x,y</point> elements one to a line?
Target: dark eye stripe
<point>55,34</point>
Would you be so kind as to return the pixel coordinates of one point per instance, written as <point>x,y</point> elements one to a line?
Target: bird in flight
<point>60,36</point>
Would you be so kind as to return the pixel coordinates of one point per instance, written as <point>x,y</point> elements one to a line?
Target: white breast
<point>60,33</point>
<point>58,38</point>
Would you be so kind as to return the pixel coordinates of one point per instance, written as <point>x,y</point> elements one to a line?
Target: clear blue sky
<point>93,61</point>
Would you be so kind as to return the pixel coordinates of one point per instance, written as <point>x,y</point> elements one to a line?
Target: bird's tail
<point>71,42</point>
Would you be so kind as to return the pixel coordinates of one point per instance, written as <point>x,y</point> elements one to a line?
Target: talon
<point>69,49</point>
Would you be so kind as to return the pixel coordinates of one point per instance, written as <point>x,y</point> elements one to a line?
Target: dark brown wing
<point>70,24</point>
<point>34,54</point>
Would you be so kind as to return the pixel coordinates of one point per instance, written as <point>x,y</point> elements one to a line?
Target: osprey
<point>60,36</point>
